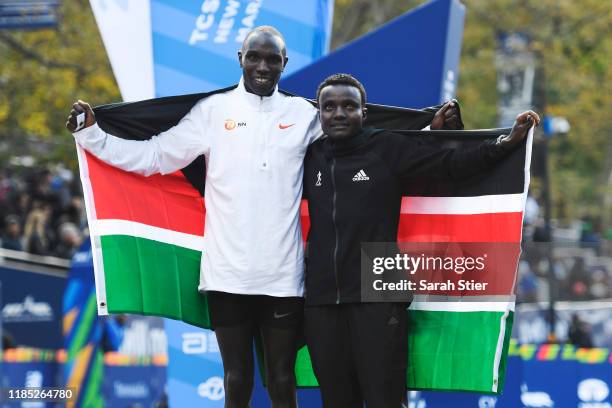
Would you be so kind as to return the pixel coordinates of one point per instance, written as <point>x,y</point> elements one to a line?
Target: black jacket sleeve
<point>409,157</point>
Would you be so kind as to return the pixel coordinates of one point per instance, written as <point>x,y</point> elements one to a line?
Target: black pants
<point>237,320</point>
<point>359,353</point>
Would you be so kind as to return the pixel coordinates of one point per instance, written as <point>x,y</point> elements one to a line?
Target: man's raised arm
<point>413,159</point>
<point>164,153</point>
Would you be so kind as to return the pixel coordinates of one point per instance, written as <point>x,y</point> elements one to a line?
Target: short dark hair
<point>343,79</point>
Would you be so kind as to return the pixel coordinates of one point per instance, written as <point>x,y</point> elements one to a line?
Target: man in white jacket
<point>253,139</point>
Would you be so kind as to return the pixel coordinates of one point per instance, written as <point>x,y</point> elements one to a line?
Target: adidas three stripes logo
<point>360,176</point>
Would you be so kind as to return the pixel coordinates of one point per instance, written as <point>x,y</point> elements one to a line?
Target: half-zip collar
<point>259,103</point>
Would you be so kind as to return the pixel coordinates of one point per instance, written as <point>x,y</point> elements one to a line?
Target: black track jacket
<point>354,189</point>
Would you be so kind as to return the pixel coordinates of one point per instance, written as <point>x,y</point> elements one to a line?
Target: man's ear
<point>240,58</point>
<point>286,60</point>
<point>364,112</point>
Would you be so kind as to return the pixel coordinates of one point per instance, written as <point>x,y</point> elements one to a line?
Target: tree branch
<point>32,54</point>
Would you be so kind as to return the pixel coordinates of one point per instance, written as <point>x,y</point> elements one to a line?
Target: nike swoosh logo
<point>281,126</point>
<point>279,316</point>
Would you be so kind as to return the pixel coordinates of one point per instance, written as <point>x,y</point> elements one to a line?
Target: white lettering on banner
<point>533,399</point>
<point>248,22</point>
<point>200,343</point>
<point>487,401</point>
<point>592,393</point>
<point>27,311</point>
<point>131,390</point>
<point>227,21</point>
<point>34,379</point>
<point>204,21</point>
<point>194,343</point>
<point>415,400</point>
<point>212,389</point>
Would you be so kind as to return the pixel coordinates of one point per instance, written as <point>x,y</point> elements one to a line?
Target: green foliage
<point>572,41</point>
<point>42,73</point>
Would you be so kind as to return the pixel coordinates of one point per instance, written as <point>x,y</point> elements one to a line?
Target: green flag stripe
<point>149,277</point>
<point>447,350</point>
<point>455,350</point>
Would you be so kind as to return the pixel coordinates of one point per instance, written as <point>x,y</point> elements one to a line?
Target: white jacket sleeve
<point>164,153</point>
<point>314,131</point>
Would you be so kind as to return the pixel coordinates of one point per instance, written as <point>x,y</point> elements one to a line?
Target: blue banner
<point>195,370</point>
<point>31,304</point>
<point>31,374</point>
<point>535,383</point>
<point>195,42</point>
<point>412,62</point>
<point>139,386</point>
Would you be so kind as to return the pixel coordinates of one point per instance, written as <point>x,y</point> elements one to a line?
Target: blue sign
<point>135,386</point>
<point>31,375</point>
<point>533,383</point>
<point>28,14</point>
<point>195,42</point>
<point>31,305</point>
<point>412,62</point>
<point>195,370</point>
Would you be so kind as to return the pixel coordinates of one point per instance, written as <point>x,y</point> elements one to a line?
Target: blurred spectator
<point>37,232</point>
<point>70,241</point>
<point>600,283</point>
<point>11,239</point>
<point>48,207</point>
<point>579,333</point>
<point>590,237</point>
<point>532,211</point>
<point>527,283</point>
<point>578,280</point>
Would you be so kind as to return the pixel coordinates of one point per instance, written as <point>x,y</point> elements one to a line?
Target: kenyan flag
<point>147,238</point>
<point>462,343</point>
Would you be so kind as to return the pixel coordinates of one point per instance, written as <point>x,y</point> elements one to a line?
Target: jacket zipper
<point>335,229</point>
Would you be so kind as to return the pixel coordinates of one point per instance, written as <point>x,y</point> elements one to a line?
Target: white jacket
<point>254,149</point>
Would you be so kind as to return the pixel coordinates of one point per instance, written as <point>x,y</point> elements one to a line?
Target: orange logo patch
<point>230,124</point>
<point>281,126</point>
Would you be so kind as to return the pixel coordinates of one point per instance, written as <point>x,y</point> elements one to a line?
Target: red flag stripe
<point>168,201</point>
<point>488,227</point>
<point>495,227</point>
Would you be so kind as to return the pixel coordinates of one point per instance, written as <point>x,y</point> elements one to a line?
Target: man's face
<point>262,60</point>
<point>341,112</point>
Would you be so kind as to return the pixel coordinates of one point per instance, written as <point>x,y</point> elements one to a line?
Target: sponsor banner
<point>28,15</point>
<point>195,370</point>
<point>31,303</point>
<point>29,374</point>
<point>431,33</point>
<point>195,42</point>
<point>533,383</point>
<point>129,386</point>
<point>125,28</point>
